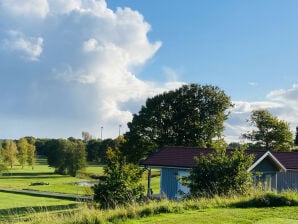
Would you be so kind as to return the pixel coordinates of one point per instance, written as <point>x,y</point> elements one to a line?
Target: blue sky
<point>69,66</point>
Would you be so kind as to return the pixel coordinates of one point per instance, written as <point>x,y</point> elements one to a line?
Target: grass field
<point>18,178</point>
<point>15,206</point>
<point>281,215</point>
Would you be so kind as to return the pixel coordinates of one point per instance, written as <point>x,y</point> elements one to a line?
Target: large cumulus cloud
<point>69,66</point>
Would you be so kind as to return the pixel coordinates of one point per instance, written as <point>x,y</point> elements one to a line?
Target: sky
<point>68,66</point>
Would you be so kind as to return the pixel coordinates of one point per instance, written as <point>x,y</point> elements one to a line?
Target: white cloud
<point>288,95</point>
<point>89,55</point>
<point>26,8</point>
<point>30,47</point>
<point>64,6</point>
<point>281,103</point>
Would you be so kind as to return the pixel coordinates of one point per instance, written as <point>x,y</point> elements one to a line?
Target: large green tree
<point>270,133</point>
<point>189,116</point>
<point>66,156</point>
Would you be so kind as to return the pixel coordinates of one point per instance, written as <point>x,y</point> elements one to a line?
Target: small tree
<point>10,152</point>
<point>122,181</point>
<point>31,157</point>
<point>22,151</point>
<point>220,174</point>
<point>2,163</point>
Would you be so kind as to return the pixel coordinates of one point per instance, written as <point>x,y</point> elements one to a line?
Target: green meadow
<point>43,178</point>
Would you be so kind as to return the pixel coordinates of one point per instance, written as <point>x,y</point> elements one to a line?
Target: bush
<point>121,185</point>
<point>220,174</point>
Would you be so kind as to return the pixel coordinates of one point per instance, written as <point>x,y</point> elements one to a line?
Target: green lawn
<point>281,215</point>
<point>14,206</point>
<point>18,178</point>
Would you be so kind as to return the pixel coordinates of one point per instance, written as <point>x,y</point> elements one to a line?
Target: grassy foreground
<point>261,208</point>
<point>281,215</point>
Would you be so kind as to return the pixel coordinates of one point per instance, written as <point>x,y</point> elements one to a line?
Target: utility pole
<point>120,129</point>
<point>101,128</point>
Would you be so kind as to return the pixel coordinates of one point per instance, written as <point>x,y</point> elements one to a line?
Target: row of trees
<point>21,151</point>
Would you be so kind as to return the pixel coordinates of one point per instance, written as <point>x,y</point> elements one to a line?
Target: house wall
<point>287,180</point>
<point>266,173</point>
<point>170,185</point>
<point>169,182</point>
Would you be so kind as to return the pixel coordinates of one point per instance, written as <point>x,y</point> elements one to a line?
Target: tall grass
<point>89,214</point>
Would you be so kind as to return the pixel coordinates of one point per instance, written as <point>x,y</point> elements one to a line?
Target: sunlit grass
<point>18,178</point>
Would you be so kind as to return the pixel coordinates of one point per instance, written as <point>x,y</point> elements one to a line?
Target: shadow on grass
<point>20,211</point>
<point>27,174</point>
<point>268,200</point>
<point>26,178</point>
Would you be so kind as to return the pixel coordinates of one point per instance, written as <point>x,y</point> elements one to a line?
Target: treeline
<point>95,149</point>
<point>22,151</point>
<point>70,155</point>
<point>67,156</point>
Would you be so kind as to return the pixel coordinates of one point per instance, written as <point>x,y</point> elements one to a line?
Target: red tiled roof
<point>176,156</point>
<point>288,159</point>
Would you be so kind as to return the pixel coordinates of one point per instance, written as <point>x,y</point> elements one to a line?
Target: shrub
<point>220,174</point>
<point>121,185</point>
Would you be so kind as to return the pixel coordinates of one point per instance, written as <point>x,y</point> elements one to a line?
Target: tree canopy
<point>66,156</point>
<point>189,116</point>
<point>270,133</point>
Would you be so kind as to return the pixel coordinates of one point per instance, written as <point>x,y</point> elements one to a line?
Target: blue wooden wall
<point>169,182</point>
<point>287,180</point>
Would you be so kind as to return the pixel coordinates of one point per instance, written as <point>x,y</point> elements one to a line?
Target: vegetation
<point>220,174</point>
<point>214,210</point>
<point>10,152</point>
<point>96,149</point>
<point>189,116</point>
<point>22,151</point>
<point>121,185</point>
<point>270,133</point>
<point>2,162</point>
<point>67,156</point>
